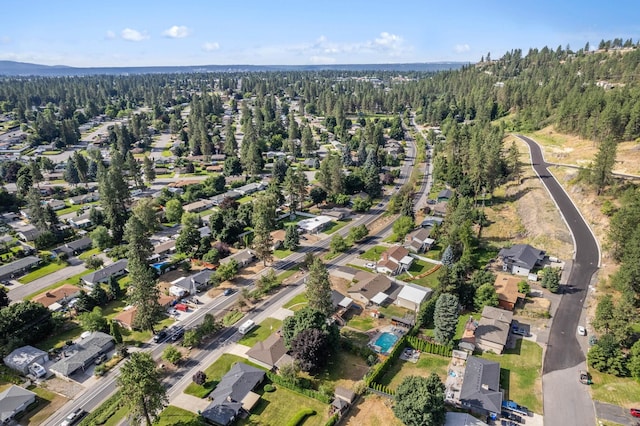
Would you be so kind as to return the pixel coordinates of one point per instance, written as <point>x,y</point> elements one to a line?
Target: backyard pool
<point>385,342</point>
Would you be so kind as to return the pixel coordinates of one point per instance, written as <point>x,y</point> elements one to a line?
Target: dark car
<point>635,412</point>
<point>160,336</point>
<point>74,417</point>
<point>511,416</point>
<point>227,292</point>
<point>177,334</point>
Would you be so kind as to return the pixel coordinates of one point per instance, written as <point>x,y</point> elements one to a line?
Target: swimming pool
<point>386,341</point>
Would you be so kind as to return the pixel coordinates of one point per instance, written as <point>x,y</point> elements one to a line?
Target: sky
<point>116,33</point>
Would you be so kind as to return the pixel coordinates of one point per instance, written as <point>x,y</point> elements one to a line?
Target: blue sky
<point>145,33</point>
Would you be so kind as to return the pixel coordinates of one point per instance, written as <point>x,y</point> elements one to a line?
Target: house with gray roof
<point>116,269</point>
<point>14,400</point>
<point>194,282</point>
<point>21,358</point>
<point>29,234</point>
<point>73,248</point>
<point>493,329</point>
<point>82,354</point>
<point>243,257</point>
<point>480,390</point>
<point>520,259</point>
<point>269,352</point>
<point>18,267</point>
<point>234,394</point>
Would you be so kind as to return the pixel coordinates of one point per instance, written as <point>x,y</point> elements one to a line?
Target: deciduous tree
<point>419,401</point>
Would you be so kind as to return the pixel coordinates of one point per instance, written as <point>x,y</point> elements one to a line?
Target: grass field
<point>343,369</point>
<point>278,407</point>
<point>426,364</point>
<point>173,415</point>
<point>75,208</point>
<point>520,374</point>
<point>373,253</point>
<point>43,271</point>
<point>87,254</point>
<point>623,391</point>
<point>58,340</point>
<point>214,373</point>
<point>361,323</point>
<point>261,332</point>
<point>335,226</point>
<point>418,267</point>
<point>281,254</point>
<point>297,303</point>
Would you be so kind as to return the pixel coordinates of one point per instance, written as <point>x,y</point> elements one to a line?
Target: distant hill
<point>11,68</point>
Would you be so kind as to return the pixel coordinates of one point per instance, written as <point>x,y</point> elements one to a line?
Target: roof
<point>507,288</point>
<point>126,317</point>
<point>80,244</point>
<point>498,314</point>
<point>445,193</point>
<point>23,357</point>
<point>431,220</point>
<point>86,350</point>
<point>397,252</point>
<point>414,293</point>
<point>379,283</point>
<point>164,247</point>
<point>12,399</point>
<point>390,264</point>
<point>197,205</point>
<point>106,272</point>
<point>240,257</point>
<point>314,223</point>
<point>521,255</point>
<point>379,298</point>
<point>421,235</point>
<point>55,295</point>
<point>344,394</point>
<point>492,330</point>
<point>462,419</point>
<point>268,351</point>
<point>481,384</point>
<point>18,265</point>
<point>230,391</point>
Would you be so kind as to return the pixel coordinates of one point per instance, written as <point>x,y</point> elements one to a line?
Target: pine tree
<point>445,318</point>
<point>291,238</point>
<point>603,164</point>
<point>319,288</point>
<point>114,330</point>
<point>149,170</point>
<point>141,388</point>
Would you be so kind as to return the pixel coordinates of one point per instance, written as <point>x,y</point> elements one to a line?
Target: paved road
<point>19,292</point>
<point>566,401</point>
<point>613,413</point>
<point>163,142</point>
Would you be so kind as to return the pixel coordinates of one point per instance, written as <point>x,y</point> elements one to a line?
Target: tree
<point>145,210</point>
<point>172,355</point>
<point>357,233</point>
<point>318,195</point>
<point>114,330</point>
<point>227,270</point>
<point>71,175</point>
<point>403,226</point>
<point>199,378</point>
<point>551,279</point>
<point>141,389</point>
<point>114,196</point>
<point>189,239</point>
<point>4,297</point>
<point>524,287</point>
<point>338,244</point>
<point>149,170</point>
<point>603,164</point>
<point>419,401</point>
<point>485,296</point>
<point>94,320</point>
<point>264,221</point>
<point>114,288</point>
<point>173,210</point>
<point>93,262</point>
<point>37,213</point>
<point>604,314</point>
<point>191,338</point>
<point>307,318</point>
<point>319,288</point>
<point>310,348</point>
<point>291,238</point>
<point>232,166</point>
<point>99,295</point>
<point>445,318</point>
<point>362,205</point>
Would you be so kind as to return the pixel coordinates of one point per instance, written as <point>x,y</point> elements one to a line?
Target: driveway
<point>566,400</point>
<point>613,413</point>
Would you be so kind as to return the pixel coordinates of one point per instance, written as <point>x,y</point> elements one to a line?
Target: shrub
<point>300,416</point>
<point>332,420</point>
<point>269,388</point>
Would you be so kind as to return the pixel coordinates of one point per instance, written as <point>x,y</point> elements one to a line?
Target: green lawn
<point>622,391</point>
<point>426,364</point>
<point>73,280</point>
<point>58,340</point>
<point>286,274</point>
<point>43,271</point>
<point>418,267</point>
<point>75,208</point>
<point>435,252</point>
<point>335,226</point>
<point>278,407</point>
<point>173,415</point>
<point>282,253</point>
<point>87,254</point>
<point>363,323</point>
<point>297,303</point>
<point>245,199</point>
<point>392,310</point>
<point>137,337</point>
<point>232,318</point>
<point>520,374</point>
<point>166,152</point>
<point>261,332</point>
<point>373,253</point>
<point>214,373</point>
<point>165,175</point>
<point>343,369</point>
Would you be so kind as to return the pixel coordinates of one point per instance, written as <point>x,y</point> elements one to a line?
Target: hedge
<point>379,369</point>
<point>300,416</point>
<point>103,413</point>
<point>382,388</point>
<point>333,420</point>
<point>325,399</point>
<point>429,347</point>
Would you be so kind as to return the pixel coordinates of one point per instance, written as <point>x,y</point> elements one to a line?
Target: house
<point>18,267</point>
<point>243,257</point>
<point>520,259</point>
<point>439,209</point>
<point>314,225</point>
<point>234,394</point>
<point>103,275</point>
<point>312,163</point>
<point>29,234</point>
<point>204,231</point>
<point>74,248</point>
<point>480,391</point>
<point>195,282</point>
<point>270,352</point>
<point>507,289</point>
<point>57,296</point>
<point>278,237</point>
<point>340,301</point>
<point>21,358</point>
<point>85,198</point>
<point>418,241</point>
<point>338,214</point>
<point>342,400</point>
<point>411,296</point>
<point>462,419</point>
<point>493,329</point>
<point>82,354</point>
<point>198,206</point>
<point>250,188</point>
<point>347,273</point>
<point>167,247</point>
<point>14,400</point>
<point>431,221</point>
<point>126,318</point>
<point>80,222</point>
<point>444,195</point>
<point>56,204</point>
<point>366,290</point>
<point>394,261</point>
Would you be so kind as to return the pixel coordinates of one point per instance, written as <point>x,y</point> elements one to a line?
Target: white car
<point>582,331</point>
<point>370,265</point>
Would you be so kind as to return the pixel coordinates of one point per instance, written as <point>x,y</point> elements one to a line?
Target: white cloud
<point>322,60</point>
<point>110,35</point>
<point>177,31</point>
<point>133,35</point>
<point>211,46</point>
<point>387,40</point>
<point>461,48</point>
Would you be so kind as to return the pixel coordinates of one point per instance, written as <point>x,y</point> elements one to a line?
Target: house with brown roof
<point>269,353</point>
<point>58,295</point>
<point>365,291</point>
<point>418,241</point>
<point>278,237</point>
<point>128,314</point>
<point>394,261</point>
<point>507,289</point>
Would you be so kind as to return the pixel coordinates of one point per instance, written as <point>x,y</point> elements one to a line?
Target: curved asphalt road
<point>565,399</point>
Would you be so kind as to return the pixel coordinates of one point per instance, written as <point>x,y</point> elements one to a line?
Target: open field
<point>427,364</point>
<point>173,415</point>
<point>372,410</point>
<point>278,407</point>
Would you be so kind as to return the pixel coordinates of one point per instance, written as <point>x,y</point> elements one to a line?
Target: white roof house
<point>21,358</point>
<point>314,224</point>
<point>411,296</point>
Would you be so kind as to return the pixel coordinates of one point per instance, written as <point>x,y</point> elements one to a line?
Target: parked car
<point>584,378</point>
<point>582,331</point>
<point>177,334</point>
<point>227,292</point>
<point>519,330</point>
<point>160,335</point>
<point>511,416</point>
<point>370,265</point>
<point>74,417</point>
<point>102,358</point>
<point>635,412</point>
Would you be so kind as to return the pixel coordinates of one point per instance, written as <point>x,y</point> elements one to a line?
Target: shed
<point>411,296</point>
<point>21,358</point>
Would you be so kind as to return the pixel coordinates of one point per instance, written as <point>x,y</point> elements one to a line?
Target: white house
<point>314,225</point>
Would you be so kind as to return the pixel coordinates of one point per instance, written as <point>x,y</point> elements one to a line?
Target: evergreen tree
<point>141,388</point>
<point>264,220</point>
<point>319,288</point>
<point>419,401</point>
<point>114,330</point>
<point>603,164</point>
<point>149,170</point>
<point>291,238</point>
<point>445,318</point>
